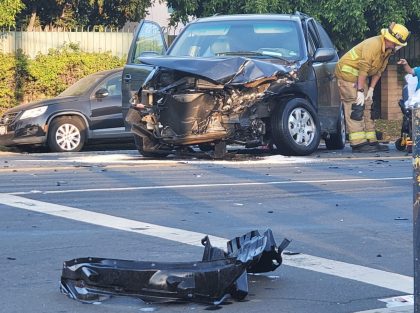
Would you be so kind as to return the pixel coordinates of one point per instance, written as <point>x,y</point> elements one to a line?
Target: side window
<point>325,39</point>
<point>113,85</point>
<point>311,46</point>
<point>149,39</point>
<point>313,37</point>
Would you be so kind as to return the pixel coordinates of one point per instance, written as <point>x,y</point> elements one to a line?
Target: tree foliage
<point>8,11</point>
<point>347,21</point>
<point>81,13</point>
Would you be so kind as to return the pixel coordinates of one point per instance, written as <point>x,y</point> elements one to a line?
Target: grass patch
<point>391,129</point>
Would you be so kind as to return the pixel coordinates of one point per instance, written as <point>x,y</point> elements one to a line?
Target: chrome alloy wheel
<point>301,126</point>
<point>68,137</point>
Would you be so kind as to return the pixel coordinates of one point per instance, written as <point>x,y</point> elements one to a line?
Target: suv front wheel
<point>66,134</point>
<point>295,127</point>
<point>141,142</point>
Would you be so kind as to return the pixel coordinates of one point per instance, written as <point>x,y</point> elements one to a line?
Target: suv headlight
<point>33,112</point>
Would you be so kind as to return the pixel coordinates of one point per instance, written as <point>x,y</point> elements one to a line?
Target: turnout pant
<point>359,122</point>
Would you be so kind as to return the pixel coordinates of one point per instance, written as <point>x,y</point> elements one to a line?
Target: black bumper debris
<point>211,280</point>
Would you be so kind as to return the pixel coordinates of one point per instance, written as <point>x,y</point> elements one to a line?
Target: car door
<point>148,40</point>
<point>106,109</point>
<point>328,94</point>
<point>330,66</point>
<point>320,68</point>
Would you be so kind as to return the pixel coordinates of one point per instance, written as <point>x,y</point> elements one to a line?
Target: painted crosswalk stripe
<point>359,273</point>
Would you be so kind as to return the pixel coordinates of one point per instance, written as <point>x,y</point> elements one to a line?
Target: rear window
<point>208,39</point>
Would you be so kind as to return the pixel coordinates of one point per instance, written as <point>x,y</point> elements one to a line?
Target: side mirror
<point>325,55</point>
<point>102,93</point>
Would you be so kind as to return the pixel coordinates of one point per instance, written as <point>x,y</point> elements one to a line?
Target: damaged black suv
<point>252,80</point>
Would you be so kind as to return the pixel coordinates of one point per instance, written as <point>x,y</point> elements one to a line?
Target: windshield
<point>271,38</point>
<point>81,86</point>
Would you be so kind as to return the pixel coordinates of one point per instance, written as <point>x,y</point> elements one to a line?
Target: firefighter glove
<point>357,112</point>
<point>360,98</point>
<point>369,96</point>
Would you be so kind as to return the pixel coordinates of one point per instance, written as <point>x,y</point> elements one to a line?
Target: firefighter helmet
<point>396,33</point>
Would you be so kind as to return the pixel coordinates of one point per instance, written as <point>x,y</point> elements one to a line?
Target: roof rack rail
<point>302,15</point>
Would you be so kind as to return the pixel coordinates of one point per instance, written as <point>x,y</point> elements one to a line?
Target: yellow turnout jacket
<point>368,58</point>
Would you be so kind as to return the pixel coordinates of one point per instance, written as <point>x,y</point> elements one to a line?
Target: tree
<point>347,21</point>
<point>81,13</point>
<point>8,11</point>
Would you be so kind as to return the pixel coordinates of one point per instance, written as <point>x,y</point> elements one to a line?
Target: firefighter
<point>364,64</point>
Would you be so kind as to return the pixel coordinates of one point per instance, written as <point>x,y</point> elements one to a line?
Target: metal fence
<point>412,51</point>
<point>35,42</point>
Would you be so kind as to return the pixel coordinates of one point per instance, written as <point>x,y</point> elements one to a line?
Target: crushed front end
<point>184,103</point>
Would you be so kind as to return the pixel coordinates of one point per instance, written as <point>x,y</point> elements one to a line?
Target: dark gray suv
<point>251,80</point>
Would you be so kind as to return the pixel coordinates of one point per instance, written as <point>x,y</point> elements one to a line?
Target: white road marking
<point>363,274</point>
<point>127,158</point>
<point>402,309</point>
<point>191,186</point>
<point>398,301</point>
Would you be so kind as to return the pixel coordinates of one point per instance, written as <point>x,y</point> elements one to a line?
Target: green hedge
<point>24,80</point>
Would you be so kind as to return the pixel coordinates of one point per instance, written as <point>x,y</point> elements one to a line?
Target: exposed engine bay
<point>186,102</point>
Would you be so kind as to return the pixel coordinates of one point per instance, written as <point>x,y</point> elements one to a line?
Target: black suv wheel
<point>66,134</point>
<point>140,142</point>
<point>295,127</point>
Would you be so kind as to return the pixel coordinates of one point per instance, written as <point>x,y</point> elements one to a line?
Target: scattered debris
<point>401,219</point>
<point>291,253</point>
<point>398,301</point>
<point>212,280</point>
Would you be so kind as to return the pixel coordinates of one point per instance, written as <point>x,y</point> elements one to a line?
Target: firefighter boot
<point>364,147</point>
<point>379,147</point>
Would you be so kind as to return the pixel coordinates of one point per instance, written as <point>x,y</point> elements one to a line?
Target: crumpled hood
<point>222,70</point>
<point>39,103</point>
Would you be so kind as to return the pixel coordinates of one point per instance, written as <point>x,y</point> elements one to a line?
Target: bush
<point>7,81</point>
<point>25,80</point>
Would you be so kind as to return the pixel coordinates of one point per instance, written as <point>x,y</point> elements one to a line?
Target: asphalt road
<point>349,218</point>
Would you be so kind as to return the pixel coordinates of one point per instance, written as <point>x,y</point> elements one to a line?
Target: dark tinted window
<point>81,86</point>
<point>313,34</point>
<point>323,36</point>
<point>149,40</point>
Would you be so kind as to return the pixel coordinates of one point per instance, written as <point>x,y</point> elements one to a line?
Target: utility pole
<point>416,203</point>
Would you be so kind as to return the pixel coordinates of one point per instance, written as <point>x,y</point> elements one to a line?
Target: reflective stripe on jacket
<point>368,58</point>
<point>357,136</point>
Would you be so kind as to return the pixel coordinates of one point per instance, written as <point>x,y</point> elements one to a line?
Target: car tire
<point>337,141</point>
<point>398,145</point>
<point>295,127</point>
<point>140,141</point>
<point>66,134</point>
<point>206,147</point>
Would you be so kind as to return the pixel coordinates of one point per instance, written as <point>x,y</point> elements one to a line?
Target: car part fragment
<point>211,280</point>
